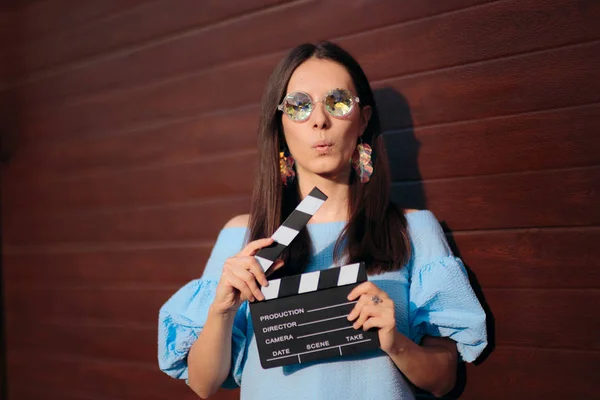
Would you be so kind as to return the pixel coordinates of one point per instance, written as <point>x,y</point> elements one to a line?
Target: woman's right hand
<point>239,278</point>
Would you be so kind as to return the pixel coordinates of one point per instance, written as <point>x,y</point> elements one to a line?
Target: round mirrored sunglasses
<point>299,105</point>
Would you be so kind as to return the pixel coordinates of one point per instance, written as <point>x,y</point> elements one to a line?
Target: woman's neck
<point>336,207</point>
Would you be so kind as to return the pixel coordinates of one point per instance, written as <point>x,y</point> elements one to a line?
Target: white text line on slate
<point>322,320</point>
<point>333,306</point>
<point>320,333</point>
<point>314,351</point>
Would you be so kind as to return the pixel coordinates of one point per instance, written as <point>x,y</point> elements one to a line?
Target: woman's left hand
<point>374,309</point>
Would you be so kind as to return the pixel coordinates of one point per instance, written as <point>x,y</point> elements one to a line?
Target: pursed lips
<point>322,144</point>
<point>323,148</point>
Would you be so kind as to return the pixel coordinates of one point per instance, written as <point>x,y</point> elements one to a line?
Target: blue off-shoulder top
<point>431,293</point>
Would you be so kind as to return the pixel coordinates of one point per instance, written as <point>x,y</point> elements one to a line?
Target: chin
<point>329,169</point>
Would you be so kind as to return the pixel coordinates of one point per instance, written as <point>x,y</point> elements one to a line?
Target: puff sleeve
<point>183,316</point>
<point>442,301</point>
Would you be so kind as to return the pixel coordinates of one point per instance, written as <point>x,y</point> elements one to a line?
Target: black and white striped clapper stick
<point>313,281</point>
<point>290,228</point>
<point>303,317</point>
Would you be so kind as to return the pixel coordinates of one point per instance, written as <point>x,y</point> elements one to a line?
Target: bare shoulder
<point>410,210</point>
<point>239,221</point>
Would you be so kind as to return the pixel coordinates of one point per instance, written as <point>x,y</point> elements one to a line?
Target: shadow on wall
<point>408,192</point>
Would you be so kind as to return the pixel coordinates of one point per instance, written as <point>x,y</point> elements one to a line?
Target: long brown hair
<point>376,232</point>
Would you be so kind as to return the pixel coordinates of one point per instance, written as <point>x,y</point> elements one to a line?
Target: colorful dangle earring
<point>361,161</point>
<point>286,167</point>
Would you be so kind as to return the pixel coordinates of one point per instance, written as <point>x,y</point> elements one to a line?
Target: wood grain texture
<point>481,33</point>
<point>152,264</point>
<point>185,222</point>
<point>101,379</point>
<point>119,305</point>
<point>569,198</point>
<point>524,318</point>
<point>7,60</point>
<point>516,373</point>
<point>136,344</point>
<point>545,318</point>
<point>184,184</point>
<point>47,17</point>
<point>532,258</point>
<point>525,258</point>
<point>526,83</point>
<point>204,49</point>
<point>136,143</point>
<point>156,24</point>
<point>558,138</point>
<point>553,139</point>
<point>495,201</point>
<point>187,140</point>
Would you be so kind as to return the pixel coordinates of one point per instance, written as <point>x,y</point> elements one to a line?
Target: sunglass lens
<point>339,102</point>
<point>297,106</point>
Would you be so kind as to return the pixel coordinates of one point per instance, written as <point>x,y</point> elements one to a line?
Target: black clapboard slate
<point>304,318</point>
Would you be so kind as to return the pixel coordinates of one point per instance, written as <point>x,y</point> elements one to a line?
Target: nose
<point>320,117</point>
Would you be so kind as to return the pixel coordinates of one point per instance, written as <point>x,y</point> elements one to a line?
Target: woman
<point>320,127</point>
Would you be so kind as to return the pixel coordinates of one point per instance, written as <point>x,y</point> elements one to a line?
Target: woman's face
<point>323,144</point>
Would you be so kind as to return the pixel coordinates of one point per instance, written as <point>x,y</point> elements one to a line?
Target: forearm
<point>209,358</point>
<point>431,366</point>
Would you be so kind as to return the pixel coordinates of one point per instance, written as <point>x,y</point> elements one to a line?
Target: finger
<point>252,247</point>
<point>254,267</point>
<point>240,286</point>
<point>250,281</point>
<point>367,288</point>
<point>360,303</point>
<point>366,313</point>
<point>357,291</point>
<point>374,322</point>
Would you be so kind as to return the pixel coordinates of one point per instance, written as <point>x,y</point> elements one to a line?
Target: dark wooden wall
<point>135,141</point>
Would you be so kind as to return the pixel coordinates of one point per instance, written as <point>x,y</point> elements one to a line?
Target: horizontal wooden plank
<point>527,258</point>
<point>23,393</point>
<point>122,305</point>
<point>545,318</point>
<point>196,222</point>
<point>203,48</point>
<point>487,202</point>
<point>8,21</point>
<point>32,392</point>
<point>117,343</point>
<point>508,373</point>
<point>539,81</point>
<point>211,93</point>
<point>552,139</point>
<point>538,319</point>
<point>486,32</point>
<point>48,17</point>
<point>157,22</point>
<point>563,77</point>
<point>560,138</point>
<point>541,318</point>
<point>537,199</point>
<point>184,141</point>
<point>532,258</point>
<point>151,265</point>
<point>104,379</point>
<point>522,373</point>
<point>183,183</point>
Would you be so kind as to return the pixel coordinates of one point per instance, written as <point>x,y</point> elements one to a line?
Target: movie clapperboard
<point>304,317</point>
